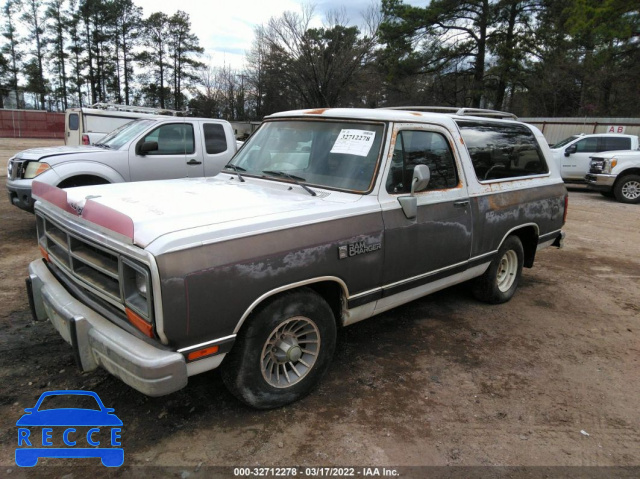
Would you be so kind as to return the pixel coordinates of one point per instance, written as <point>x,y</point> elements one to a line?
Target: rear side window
<point>74,122</point>
<point>421,148</point>
<point>214,138</point>
<point>613,143</point>
<point>502,151</point>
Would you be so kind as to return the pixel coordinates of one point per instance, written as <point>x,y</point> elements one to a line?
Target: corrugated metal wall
<point>31,124</point>
<point>557,129</point>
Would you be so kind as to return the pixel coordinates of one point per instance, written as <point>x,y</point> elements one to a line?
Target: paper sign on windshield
<point>354,142</point>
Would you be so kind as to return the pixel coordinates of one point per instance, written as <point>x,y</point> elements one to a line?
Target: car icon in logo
<point>84,431</point>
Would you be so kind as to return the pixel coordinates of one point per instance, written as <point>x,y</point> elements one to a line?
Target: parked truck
<point>324,218</point>
<point>573,154</point>
<point>616,174</point>
<point>88,125</point>
<point>152,148</point>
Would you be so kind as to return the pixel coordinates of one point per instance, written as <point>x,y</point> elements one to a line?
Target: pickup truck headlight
<point>137,289</point>
<point>609,164</point>
<point>35,168</point>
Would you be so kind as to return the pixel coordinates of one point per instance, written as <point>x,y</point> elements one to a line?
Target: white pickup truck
<point>573,154</point>
<point>616,174</point>
<point>153,148</point>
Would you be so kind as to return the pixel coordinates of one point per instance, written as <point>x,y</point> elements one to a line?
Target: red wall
<point>31,124</point>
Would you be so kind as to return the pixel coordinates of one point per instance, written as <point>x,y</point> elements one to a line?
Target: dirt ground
<point>551,378</point>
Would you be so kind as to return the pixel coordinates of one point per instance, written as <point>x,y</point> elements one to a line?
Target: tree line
<point>531,57</point>
<point>78,52</point>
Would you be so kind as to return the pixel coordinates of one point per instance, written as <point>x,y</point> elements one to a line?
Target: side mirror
<point>570,150</point>
<point>146,147</point>
<point>420,180</point>
<point>421,177</point>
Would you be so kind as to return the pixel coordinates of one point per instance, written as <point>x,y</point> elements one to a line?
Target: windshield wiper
<point>296,179</point>
<point>237,169</point>
<point>102,145</point>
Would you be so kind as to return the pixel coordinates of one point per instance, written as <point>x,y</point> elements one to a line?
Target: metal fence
<point>557,129</point>
<point>31,124</point>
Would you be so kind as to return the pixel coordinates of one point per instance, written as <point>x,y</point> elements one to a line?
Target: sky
<point>226,28</point>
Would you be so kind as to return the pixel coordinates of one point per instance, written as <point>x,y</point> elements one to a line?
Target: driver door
<point>437,243</point>
<point>177,156</point>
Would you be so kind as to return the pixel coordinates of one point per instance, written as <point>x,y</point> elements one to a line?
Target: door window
<point>588,145</point>
<point>421,148</point>
<point>74,122</point>
<point>172,139</point>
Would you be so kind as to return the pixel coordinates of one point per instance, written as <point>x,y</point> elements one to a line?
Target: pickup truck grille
<point>105,273</point>
<point>596,166</point>
<point>15,169</point>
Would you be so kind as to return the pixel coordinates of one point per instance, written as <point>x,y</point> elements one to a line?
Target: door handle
<point>461,204</point>
<point>194,162</point>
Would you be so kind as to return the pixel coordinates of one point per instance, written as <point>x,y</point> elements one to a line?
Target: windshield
<point>124,134</point>
<point>565,141</point>
<point>332,154</point>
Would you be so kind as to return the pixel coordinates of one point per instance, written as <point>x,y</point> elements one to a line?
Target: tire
<point>283,351</point>
<point>499,283</point>
<point>607,194</point>
<point>627,189</point>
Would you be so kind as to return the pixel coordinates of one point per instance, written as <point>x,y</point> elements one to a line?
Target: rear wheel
<point>499,283</point>
<point>283,352</point>
<point>627,189</point>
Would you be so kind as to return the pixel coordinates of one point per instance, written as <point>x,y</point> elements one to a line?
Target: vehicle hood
<point>58,154</point>
<point>219,207</point>
<point>618,154</point>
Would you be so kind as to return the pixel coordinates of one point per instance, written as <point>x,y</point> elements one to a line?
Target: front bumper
<point>600,182</point>
<point>19,192</point>
<point>98,342</point>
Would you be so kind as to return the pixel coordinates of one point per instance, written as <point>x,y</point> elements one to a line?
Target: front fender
<point>80,168</point>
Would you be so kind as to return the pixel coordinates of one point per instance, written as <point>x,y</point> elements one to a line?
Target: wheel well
<point>529,239</point>
<point>331,292</point>
<point>622,174</point>
<point>82,180</point>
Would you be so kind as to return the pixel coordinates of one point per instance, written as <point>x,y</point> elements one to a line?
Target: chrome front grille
<point>97,269</point>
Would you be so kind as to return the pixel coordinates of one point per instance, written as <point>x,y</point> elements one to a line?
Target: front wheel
<point>283,352</point>
<point>627,189</point>
<point>499,283</point>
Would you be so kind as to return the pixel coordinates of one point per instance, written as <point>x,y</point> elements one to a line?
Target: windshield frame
<point>283,179</point>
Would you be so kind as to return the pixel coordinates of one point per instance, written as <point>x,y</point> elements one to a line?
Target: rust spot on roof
<point>415,113</point>
<point>319,111</point>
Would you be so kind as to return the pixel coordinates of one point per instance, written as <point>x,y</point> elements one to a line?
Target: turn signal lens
<point>139,323</point>
<point>202,352</point>
<point>44,254</point>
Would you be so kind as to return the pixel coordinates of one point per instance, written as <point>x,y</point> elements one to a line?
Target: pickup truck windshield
<point>565,141</point>
<point>124,134</point>
<point>332,154</point>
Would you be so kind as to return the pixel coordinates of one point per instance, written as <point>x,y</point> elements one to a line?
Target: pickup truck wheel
<point>627,189</point>
<point>283,351</point>
<point>499,283</point>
